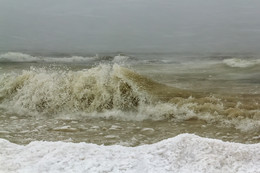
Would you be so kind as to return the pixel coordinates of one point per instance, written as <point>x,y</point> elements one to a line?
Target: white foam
<point>105,91</point>
<point>17,57</point>
<point>45,91</point>
<point>184,153</point>
<point>120,59</point>
<point>242,63</point>
<point>73,59</point>
<point>21,57</point>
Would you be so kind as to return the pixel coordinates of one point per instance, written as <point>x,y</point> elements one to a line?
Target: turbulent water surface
<point>128,100</point>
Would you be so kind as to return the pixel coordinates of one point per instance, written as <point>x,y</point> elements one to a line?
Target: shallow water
<point>109,132</point>
<point>128,100</point>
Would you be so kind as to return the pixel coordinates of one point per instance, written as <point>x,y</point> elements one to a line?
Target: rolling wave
<point>241,63</point>
<point>21,57</point>
<point>17,57</point>
<point>113,91</point>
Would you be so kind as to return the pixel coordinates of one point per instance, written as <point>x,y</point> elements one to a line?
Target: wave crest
<point>15,57</point>
<point>97,89</point>
<point>241,63</point>
<point>112,91</point>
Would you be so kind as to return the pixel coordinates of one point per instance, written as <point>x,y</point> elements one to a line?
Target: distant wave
<point>183,153</point>
<point>112,91</point>
<point>120,58</point>
<point>21,57</point>
<point>241,63</point>
<point>17,57</point>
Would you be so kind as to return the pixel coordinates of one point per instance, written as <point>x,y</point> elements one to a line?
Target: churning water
<point>128,100</point>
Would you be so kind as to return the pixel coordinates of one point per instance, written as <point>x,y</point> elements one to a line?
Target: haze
<point>86,26</point>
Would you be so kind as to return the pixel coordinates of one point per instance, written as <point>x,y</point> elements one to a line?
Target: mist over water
<point>63,26</point>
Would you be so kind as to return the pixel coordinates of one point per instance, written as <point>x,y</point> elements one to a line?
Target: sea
<point>166,112</point>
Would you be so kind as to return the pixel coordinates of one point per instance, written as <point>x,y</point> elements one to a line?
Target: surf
<point>114,91</point>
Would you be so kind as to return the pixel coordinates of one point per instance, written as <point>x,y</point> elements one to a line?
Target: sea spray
<point>113,91</point>
<point>49,92</point>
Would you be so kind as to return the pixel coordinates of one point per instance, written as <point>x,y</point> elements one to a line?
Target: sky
<point>92,26</point>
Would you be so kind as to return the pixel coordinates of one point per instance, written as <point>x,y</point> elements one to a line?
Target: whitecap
<point>241,63</point>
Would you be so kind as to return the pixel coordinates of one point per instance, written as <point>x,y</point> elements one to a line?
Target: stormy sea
<point>52,108</point>
<point>131,86</point>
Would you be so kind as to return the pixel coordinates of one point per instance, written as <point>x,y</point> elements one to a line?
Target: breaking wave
<point>21,57</point>
<point>16,57</point>
<point>241,63</point>
<point>113,91</point>
<point>49,91</point>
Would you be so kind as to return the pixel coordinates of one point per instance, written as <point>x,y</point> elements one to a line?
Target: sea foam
<point>18,57</point>
<point>241,63</point>
<point>21,57</point>
<point>183,153</point>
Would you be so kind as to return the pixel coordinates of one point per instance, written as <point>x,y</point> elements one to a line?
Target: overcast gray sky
<point>130,25</point>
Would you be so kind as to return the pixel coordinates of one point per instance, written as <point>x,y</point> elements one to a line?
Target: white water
<point>183,153</point>
<point>100,105</point>
<point>242,63</point>
<point>113,105</point>
<point>21,57</point>
<point>112,91</point>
